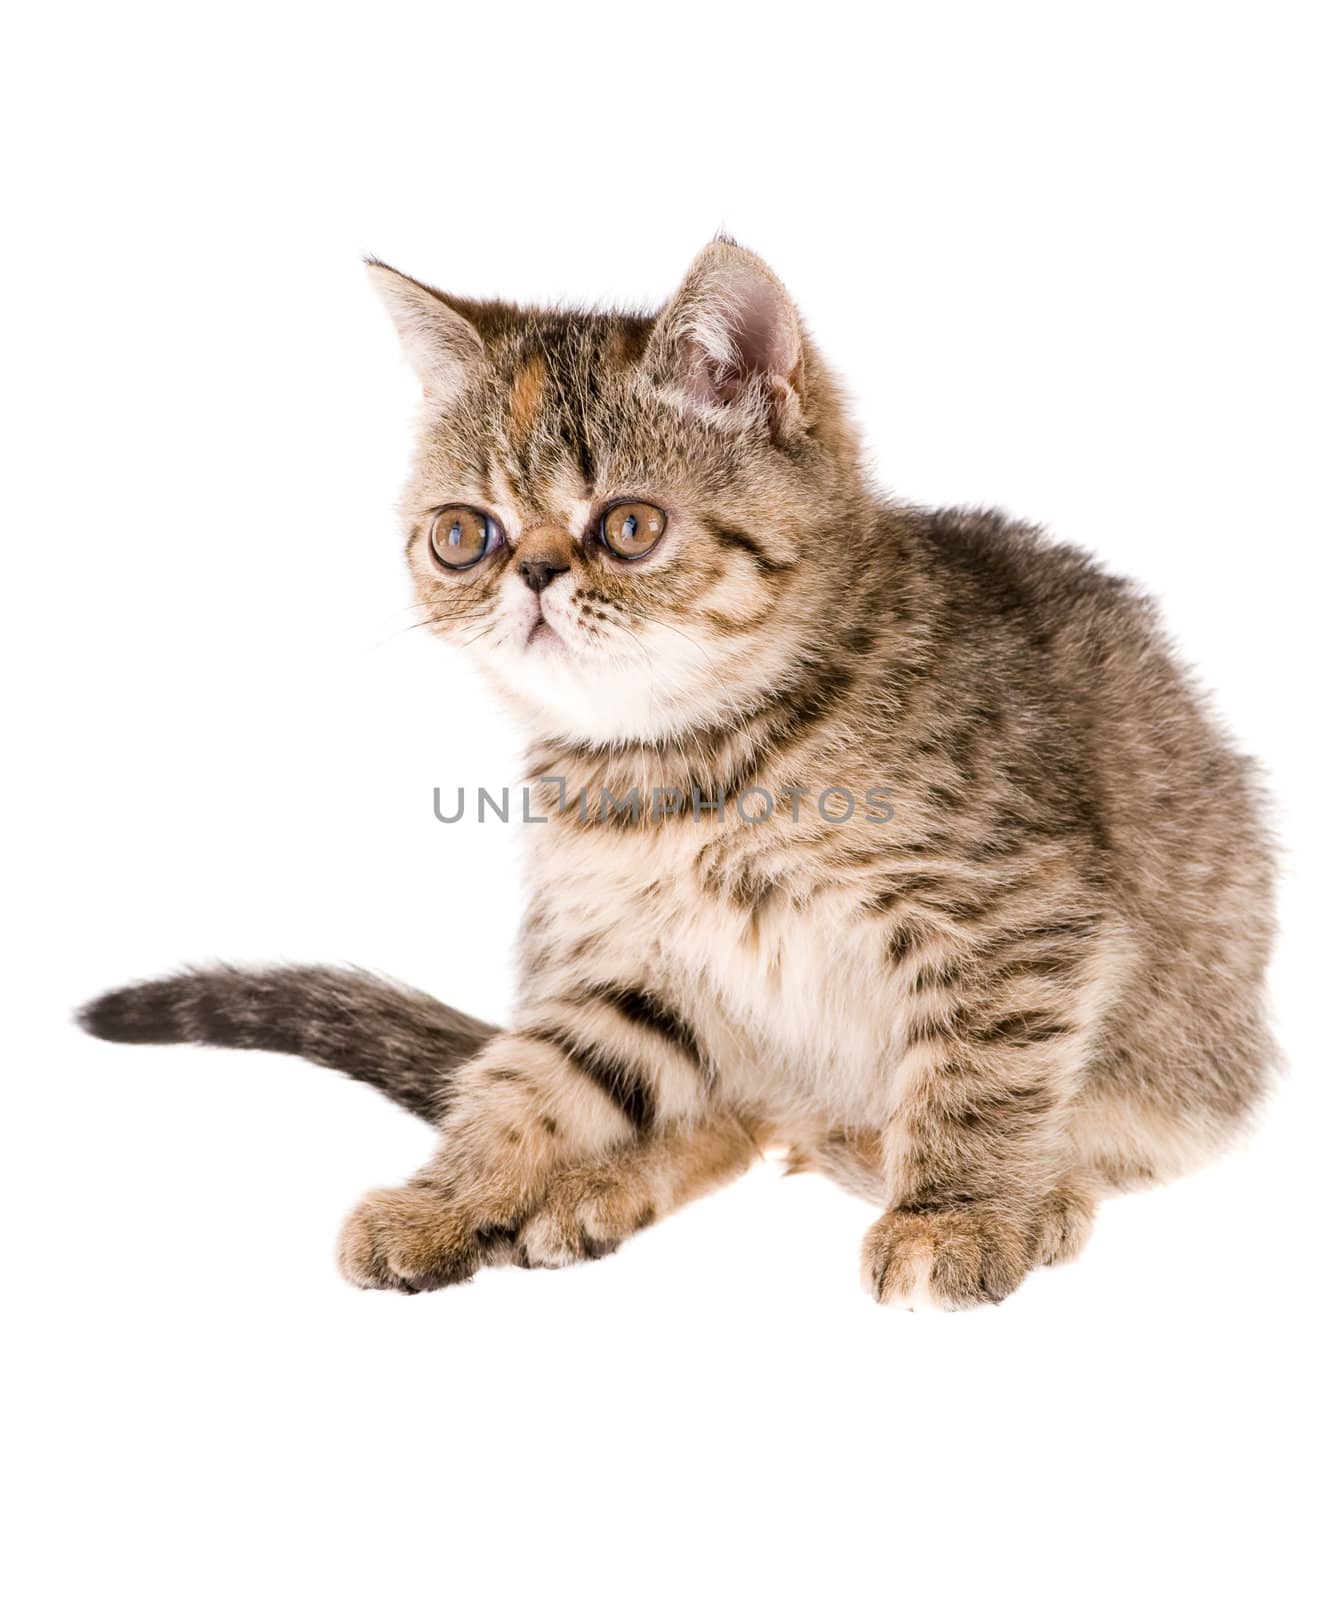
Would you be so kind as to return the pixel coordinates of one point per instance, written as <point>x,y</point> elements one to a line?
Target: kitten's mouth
<point>542,634</point>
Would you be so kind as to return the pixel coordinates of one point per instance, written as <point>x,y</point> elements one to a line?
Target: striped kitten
<point>980,926</point>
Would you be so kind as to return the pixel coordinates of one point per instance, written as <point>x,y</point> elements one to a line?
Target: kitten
<point>981,925</point>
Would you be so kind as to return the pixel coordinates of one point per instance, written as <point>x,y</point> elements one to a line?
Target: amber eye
<point>632,528</point>
<point>461,536</point>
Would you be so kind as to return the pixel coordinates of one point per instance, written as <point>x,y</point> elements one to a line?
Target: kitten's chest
<point>790,985</point>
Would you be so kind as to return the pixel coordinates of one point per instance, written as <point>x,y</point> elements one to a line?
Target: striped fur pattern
<point>363,1026</point>
<point>1031,975</point>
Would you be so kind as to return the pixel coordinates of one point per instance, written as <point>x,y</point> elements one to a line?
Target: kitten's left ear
<point>729,341</point>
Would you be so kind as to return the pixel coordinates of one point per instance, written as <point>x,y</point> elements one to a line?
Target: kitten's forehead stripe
<point>526,397</point>
<point>553,371</point>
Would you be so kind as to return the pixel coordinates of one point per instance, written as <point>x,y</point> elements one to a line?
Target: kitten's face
<point>621,525</point>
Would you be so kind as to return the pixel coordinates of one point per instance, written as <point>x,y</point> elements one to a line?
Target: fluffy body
<point>1038,980</point>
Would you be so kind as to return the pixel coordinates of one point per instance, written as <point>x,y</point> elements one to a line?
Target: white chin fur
<point>641,687</point>
<point>596,700</point>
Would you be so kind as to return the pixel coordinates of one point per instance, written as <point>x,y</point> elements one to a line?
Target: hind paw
<point>1065,1221</point>
<point>945,1259</point>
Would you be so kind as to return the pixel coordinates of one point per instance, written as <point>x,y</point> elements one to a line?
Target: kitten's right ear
<point>729,341</point>
<point>441,344</point>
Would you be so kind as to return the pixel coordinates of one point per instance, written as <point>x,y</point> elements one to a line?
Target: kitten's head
<point>631,520</point>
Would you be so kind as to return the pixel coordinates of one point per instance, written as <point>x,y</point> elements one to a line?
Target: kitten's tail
<point>400,1041</point>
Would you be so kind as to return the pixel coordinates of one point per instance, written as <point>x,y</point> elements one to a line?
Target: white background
<point>1062,256</point>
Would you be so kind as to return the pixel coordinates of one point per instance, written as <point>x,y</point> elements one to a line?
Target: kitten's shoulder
<point>1011,564</point>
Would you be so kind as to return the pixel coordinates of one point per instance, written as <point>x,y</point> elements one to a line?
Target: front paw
<point>585,1215</point>
<point>945,1259</point>
<point>408,1239</point>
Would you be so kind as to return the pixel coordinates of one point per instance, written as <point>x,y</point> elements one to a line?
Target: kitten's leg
<point>975,1150</point>
<point>590,1209</point>
<point>587,1076</point>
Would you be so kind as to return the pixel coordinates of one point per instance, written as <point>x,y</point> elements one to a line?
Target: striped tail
<point>400,1041</point>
